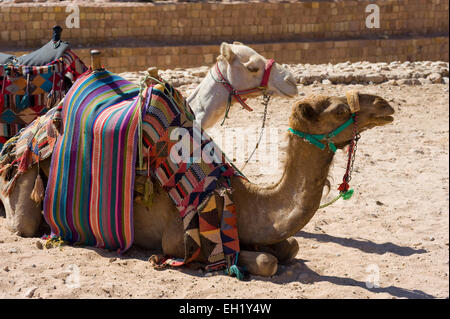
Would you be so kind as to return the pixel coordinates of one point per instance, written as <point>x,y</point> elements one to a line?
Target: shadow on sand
<point>295,271</point>
<point>309,276</point>
<point>366,246</point>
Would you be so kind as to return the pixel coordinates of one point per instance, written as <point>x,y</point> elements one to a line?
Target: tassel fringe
<point>38,190</point>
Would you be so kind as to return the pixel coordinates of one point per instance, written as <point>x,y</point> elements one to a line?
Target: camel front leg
<point>284,251</point>
<point>258,263</point>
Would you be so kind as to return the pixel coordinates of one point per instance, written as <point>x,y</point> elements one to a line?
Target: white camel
<point>243,69</point>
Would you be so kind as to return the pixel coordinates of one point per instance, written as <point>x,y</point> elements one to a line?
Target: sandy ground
<point>389,241</point>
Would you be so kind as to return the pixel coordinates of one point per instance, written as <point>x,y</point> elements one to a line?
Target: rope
<point>345,196</point>
<point>266,100</point>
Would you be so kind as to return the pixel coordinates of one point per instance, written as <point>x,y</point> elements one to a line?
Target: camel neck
<point>209,99</point>
<point>304,175</point>
<point>284,208</point>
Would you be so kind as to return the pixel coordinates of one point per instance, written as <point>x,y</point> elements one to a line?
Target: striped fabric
<point>89,196</point>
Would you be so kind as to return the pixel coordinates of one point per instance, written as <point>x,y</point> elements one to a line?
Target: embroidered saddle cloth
<point>191,179</point>
<point>27,92</point>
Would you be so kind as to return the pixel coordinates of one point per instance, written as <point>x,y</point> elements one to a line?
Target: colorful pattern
<point>27,92</point>
<point>85,203</point>
<point>89,196</point>
<point>190,183</point>
<point>34,144</point>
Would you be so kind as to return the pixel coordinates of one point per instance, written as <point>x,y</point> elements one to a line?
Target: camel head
<point>318,114</point>
<point>245,70</point>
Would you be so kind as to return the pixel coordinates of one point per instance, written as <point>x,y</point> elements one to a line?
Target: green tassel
<point>348,194</point>
<point>234,270</point>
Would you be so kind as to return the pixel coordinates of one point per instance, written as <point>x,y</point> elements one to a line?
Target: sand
<point>389,241</point>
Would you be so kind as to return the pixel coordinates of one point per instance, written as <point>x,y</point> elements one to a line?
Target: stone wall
<point>121,59</point>
<point>135,35</point>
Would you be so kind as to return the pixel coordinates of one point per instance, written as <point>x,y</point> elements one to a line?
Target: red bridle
<point>236,94</point>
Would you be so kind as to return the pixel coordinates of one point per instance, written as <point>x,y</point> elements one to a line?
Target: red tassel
<point>344,187</point>
<point>25,160</point>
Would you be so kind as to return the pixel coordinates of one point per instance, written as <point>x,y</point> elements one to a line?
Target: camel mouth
<point>377,121</point>
<point>293,90</point>
<point>383,120</point>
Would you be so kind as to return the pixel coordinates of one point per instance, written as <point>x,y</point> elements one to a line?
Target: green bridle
<point>316,139</point>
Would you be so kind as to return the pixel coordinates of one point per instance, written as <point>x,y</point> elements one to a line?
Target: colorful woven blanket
<point>34,144</point>
<point>192,179</point>
<point>89,195</point>
<point>27,92</point>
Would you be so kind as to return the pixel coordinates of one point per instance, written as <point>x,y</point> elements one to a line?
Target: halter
<point>237,94</point>
<point>344,188</point>
<point>316,138</point>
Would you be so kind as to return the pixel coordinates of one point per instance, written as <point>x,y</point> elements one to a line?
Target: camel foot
<point>284,251</point>
<point>258,263</point>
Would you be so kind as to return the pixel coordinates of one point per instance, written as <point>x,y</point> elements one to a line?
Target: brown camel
<point>267,216</point>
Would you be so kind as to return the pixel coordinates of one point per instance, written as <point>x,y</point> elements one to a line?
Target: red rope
<point>344,186</point>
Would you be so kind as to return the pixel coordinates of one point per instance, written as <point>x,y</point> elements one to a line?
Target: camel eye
<point>342,110</point>
<point>253,69</point>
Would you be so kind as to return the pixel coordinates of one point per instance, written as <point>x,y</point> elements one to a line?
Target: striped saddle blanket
<point>113,135</point>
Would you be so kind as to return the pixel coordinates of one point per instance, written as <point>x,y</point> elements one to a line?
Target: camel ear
<point>227,52</point>
<point>308,112</point>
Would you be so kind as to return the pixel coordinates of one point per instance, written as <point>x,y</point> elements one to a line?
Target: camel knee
<point>23,215</point>
<point>258,263</point>
<point>284,251</point>
<point>24,224</point>
<point>267,264</point>
<point>24,229</point>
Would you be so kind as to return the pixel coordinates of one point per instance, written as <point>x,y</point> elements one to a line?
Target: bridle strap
<point>353,100</point>
<point>266,75</point>
<point>316,139</point>
<point>237,94</point>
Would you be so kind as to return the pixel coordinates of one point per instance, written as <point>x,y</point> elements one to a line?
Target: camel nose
<point>387,109</point>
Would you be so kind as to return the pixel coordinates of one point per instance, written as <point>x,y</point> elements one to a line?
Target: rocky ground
<point>389,241</point>
<point>394,73</point>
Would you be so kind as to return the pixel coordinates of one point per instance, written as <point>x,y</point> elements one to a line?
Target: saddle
<point>32,84</point>
<point>48,53</point>
<point>6,58</point>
